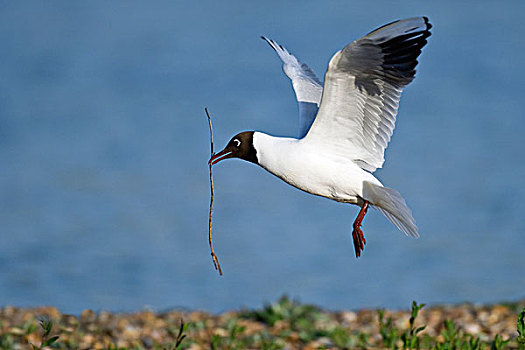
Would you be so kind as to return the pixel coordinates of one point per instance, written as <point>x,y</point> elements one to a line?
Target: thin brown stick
<point>213,256</point>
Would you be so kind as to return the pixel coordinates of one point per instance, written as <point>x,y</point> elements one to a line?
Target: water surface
<point>103,145</point>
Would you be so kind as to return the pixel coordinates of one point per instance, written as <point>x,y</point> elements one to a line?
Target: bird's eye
<point>237,142</point>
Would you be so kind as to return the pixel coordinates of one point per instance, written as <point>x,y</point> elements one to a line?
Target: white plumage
<point>343,137</point>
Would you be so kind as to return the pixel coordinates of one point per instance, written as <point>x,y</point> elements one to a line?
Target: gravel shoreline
<point>309,328</point>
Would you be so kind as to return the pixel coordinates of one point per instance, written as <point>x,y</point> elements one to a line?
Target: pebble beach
<point>284,324</point>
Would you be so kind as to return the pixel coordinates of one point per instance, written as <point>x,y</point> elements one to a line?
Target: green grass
<point>283,324</point>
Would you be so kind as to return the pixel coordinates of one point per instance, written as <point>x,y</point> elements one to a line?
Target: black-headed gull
<point>345,126</point>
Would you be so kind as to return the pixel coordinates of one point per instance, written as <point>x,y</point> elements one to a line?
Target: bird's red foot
<point>359,240</point>
<point>357,233</point>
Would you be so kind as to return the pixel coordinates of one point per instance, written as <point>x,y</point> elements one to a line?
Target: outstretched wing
<point>362,88</point>
<point>307,87</point>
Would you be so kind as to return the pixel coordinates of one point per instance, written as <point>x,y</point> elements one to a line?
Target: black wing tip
<point>427,22</point>
<point>424,18</point>
<point>274,45</point>
<point>428,27</point>
<point>269,41</point>
<point>401,53</point>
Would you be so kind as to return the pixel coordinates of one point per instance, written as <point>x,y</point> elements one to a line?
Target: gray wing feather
<point>363,85</point>
<point>308,88</point>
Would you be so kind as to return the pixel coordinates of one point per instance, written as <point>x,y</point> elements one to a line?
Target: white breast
<point>309,168</point>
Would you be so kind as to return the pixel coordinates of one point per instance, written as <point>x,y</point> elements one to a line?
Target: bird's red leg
<point>357,234</point>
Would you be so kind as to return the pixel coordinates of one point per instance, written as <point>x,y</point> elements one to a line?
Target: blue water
<point>103,144</point>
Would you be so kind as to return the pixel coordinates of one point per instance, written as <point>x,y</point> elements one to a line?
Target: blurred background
<point>104,144</point>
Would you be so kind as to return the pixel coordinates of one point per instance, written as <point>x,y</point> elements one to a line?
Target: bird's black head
<point>240,146</point>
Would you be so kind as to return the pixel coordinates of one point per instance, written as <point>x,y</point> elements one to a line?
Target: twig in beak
<point>214,257</point>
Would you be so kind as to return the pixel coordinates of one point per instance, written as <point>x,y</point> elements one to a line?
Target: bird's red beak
<point>224,154</point>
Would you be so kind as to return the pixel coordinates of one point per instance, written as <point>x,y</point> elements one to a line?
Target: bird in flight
<point>345,125</point>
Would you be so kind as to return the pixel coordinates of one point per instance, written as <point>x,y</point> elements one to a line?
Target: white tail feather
<point>393,206</point>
